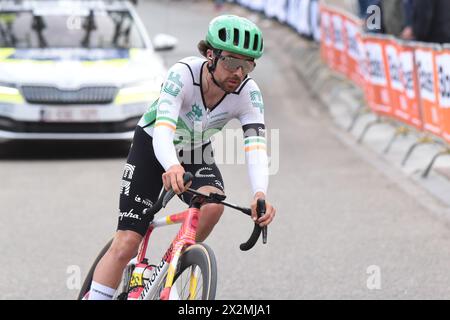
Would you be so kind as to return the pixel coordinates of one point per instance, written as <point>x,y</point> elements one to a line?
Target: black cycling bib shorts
<point>142,179</point>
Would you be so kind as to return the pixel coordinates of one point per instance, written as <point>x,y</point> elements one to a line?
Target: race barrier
<point>300,15</point>
<point>405,83</point>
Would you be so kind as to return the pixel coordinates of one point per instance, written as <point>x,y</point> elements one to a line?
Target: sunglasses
<point>232,64</point>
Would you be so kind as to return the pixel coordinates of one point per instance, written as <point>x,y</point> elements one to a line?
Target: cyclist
<point>197,99</point>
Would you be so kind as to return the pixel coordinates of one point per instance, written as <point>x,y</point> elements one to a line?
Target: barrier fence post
<point>430,166</point>
<point>424,139</point>
<point>361,110</point>
<point>401,130</point>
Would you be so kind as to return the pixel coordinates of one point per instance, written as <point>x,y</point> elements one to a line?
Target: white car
<point>83,70</point>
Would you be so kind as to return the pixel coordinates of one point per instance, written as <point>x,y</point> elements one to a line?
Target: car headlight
<point>141,92</point>
<point>10,94</point>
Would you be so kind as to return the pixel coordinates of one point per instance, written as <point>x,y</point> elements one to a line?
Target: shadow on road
<point>63,150</point>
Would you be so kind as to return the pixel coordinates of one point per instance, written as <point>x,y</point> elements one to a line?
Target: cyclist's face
<point>231,70</point>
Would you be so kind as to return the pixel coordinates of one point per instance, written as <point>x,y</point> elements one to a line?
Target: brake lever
<point>260,210</point>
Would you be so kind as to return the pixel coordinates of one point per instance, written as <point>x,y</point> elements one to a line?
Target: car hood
<point>74,68</point>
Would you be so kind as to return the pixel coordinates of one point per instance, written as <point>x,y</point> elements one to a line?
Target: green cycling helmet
<point>235,34</point>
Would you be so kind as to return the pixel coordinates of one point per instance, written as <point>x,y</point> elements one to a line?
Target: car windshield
<point>90,28</point>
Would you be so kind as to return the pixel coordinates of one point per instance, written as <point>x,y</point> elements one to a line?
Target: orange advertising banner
<point>443,70</point>
<point>407,81</point>
<point>425,58</point>
<point>326,42</point>
<point>340,55</point>
<point>403,86</point>
<point>377,86</point>
<point>353,32</point>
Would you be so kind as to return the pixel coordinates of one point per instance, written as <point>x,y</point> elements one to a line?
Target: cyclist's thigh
<point>204,169</point>
<point>141,184</point>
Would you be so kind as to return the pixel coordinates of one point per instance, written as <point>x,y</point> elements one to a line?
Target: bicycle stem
<point>216,198</point>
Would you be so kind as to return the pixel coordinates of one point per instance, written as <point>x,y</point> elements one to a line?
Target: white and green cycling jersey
<point>179,118</point>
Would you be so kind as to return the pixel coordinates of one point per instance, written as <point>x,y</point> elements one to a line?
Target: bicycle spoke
<point>194,281</point>
<point>185,284</point>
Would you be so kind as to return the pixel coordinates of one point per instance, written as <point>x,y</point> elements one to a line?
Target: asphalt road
<point>344,230</point>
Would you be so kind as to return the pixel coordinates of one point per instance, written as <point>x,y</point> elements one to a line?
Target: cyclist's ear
<point>210,55</point>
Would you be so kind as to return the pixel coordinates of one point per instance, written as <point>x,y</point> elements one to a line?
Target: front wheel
<point>196,276</point>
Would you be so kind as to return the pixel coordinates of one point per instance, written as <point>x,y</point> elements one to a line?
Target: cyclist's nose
<point>239,72</point>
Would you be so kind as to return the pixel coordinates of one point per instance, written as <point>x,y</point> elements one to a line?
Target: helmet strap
<point>217,54</point>
<point>212,68</point>
<point>215,81</point>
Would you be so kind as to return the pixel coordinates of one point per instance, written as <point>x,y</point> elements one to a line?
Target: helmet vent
<point>246,40</point>
<point>255,42</point>
<point>262,45</point>
<point>236,37</point>
<point>223,34</point>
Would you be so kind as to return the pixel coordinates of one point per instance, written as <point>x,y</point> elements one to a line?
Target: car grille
<point>52,95</point>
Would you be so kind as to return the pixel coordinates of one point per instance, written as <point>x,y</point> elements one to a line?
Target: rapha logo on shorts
<point>200,174</point>
<point>129,214</point>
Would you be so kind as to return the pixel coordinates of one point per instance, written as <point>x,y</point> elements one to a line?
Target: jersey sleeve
<point>172,94</point>
<point>252,120</point>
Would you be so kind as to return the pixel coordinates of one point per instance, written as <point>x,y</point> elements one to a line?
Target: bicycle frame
<point>183,242</point>
<point>185,237</point>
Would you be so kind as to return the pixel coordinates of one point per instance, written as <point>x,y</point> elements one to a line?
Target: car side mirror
<point>164,42</point>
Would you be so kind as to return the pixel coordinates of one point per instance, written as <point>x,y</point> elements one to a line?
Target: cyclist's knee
<point>125,246</point>
<point>212,212</point>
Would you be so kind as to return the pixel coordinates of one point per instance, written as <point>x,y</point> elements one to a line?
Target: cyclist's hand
<point>173,179</point>
<point>268,216</point>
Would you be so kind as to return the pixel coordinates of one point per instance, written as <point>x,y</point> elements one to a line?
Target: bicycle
<point>183,258</point>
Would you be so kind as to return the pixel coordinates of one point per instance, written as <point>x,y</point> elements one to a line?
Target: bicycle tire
<point>88,280</point>
<point>200,255</point>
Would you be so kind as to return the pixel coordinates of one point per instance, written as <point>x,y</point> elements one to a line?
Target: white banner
<point>303,26</point>
<point>443,67</point>
<point>424,62</point>
<point>315,20</point>
<point>257,5</point>
<point>363,62</point>
<point>281,10</point>
<point>293,13</point>
<point>407,66</point>
<point>376,64</point>
<point>394,68</point>
<point>338,27</point>
<point>271,8</point>
<point>352,33</point>
<point>328,33</point>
